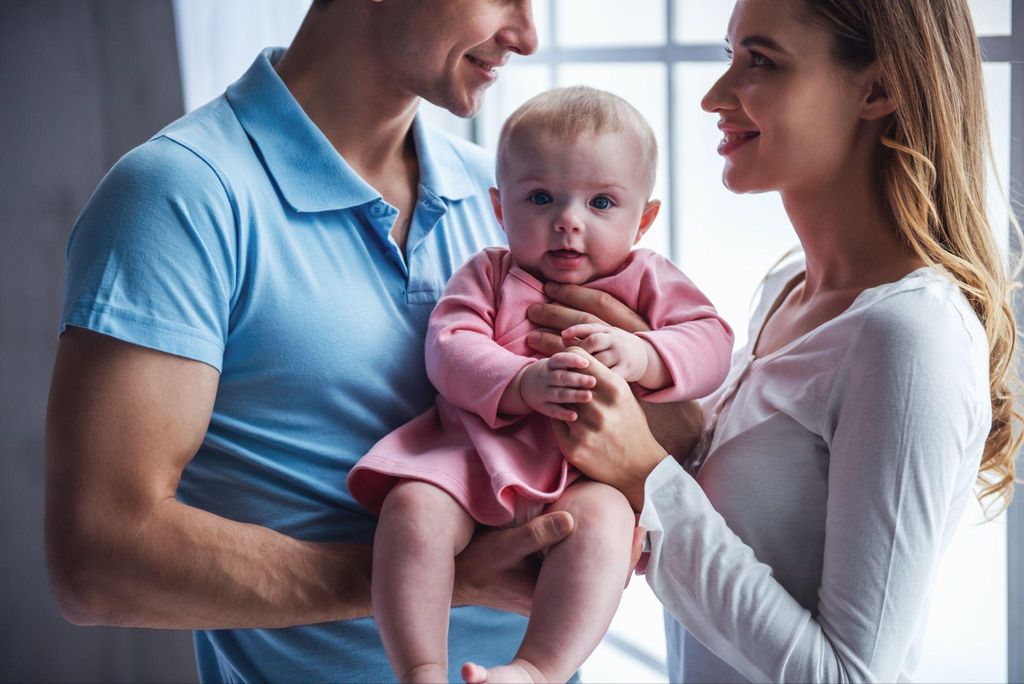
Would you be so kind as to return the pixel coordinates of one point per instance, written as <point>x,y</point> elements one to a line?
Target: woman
<point>800,541</point>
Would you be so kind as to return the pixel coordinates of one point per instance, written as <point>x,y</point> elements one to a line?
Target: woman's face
<point>788,111</point>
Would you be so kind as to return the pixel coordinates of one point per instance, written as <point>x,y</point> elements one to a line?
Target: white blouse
<point>837,469</point>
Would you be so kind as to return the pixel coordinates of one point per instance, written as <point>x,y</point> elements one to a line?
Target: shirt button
<point>377,210</point>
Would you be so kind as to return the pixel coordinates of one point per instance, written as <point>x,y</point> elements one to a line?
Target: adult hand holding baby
<point>676,426</point>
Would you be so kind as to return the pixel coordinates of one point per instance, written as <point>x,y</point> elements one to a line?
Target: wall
<point>83,81</point>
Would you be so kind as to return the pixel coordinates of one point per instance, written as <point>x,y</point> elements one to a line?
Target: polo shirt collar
<point>309,172</point>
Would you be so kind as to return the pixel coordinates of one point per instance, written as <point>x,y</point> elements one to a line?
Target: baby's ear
<point>496,205</point>
<point>651,210</point>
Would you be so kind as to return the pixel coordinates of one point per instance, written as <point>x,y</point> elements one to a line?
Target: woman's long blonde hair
<point>933,170</point>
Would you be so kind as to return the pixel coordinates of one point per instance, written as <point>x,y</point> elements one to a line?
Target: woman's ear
<point>651,210</point>
<point>496,205</point>
<point>876,103</point>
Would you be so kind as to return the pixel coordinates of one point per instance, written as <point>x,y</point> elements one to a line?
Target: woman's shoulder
<point>926,305</point>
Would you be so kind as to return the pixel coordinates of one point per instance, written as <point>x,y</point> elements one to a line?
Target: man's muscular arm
<point>122,424</point>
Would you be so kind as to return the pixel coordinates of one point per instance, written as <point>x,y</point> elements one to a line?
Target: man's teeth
<point>482,65</point>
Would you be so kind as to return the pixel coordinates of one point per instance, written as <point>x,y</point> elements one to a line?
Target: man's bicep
<point>123,421</point>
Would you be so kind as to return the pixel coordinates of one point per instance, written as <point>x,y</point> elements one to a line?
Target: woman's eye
<point>601,203</point>
<point>759,60</point>
<point>541,197</point>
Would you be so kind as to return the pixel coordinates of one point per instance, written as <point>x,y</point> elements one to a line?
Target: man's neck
<point>337,79</point>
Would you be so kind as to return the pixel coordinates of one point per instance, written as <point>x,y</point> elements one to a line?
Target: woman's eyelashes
<point>755,59</point>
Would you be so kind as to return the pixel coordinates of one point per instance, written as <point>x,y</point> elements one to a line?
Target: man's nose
<point>520,33</point>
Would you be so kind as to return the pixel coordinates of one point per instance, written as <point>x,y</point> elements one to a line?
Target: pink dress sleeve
<point>464,362</point>
<point>694,342</point>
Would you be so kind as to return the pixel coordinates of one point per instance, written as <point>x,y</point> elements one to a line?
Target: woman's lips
<point>733,140</point>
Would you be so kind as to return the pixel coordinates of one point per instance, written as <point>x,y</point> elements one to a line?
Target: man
<point>246,302</point>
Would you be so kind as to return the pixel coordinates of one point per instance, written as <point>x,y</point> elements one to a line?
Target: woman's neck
<point>848,235</point>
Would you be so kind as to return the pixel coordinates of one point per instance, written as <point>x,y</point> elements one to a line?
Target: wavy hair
<point>932,173</point>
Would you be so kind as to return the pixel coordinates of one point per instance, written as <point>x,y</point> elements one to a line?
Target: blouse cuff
<point>659,477</point>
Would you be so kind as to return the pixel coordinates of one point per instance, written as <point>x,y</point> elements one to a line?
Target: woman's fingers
<point>589,304</point>
<point>545,342</point>
<point>558,317</point>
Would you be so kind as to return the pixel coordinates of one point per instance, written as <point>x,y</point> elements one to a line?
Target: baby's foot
<point>518,671</point>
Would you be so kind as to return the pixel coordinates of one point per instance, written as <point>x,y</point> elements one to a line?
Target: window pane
<point>701,21</point>
<point>643,86</point>
<point>542,18</point>
<point>704,21</point>
<point>727,242</point>
<point>597,23</point>
<point>991,17</point>
<point>965,639</point>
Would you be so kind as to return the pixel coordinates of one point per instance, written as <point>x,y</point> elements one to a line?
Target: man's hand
<point>548,385</point>
<point>499,567</point>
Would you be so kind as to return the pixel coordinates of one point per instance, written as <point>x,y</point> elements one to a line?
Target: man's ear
<point>651,210</point>
<point>496,205</point>
<point>877,103</point>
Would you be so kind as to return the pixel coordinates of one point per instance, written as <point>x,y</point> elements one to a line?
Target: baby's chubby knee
<point>412,500</point>
<point>598,509</point>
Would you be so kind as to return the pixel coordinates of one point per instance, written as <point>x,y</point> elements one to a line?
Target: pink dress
<point>476,344</point>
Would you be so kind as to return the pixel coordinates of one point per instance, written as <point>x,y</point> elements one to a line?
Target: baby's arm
<point>630,356</point>
<point>546,385</point>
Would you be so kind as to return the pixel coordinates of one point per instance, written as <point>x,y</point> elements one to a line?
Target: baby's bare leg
<point>578,590</point>
<point>420,532</point>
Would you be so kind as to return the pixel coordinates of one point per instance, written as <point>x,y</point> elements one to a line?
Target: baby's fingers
<point>567,361</point>
<point>581,332</point>
<point>568,378</point>
<point>558,412</point>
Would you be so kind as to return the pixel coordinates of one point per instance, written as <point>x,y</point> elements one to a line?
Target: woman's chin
<point>743,184</point>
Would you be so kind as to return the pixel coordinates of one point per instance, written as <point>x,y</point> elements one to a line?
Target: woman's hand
<point>676,426</point>
<point>577,305</point>
<point>610,440</point>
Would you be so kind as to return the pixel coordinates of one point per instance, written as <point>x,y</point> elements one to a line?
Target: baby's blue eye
<point>601,203</point>
<point>541,197</point>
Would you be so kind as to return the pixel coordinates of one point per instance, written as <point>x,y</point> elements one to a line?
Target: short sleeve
<point>151,258</point>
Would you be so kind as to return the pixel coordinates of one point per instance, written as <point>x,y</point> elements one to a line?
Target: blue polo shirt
<point>238,237</point>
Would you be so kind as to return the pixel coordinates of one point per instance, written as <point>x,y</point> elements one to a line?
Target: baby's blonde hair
<point>579,111</point>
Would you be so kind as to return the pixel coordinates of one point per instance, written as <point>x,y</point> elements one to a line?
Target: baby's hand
<point>548,384</point>
<point>623,352</point>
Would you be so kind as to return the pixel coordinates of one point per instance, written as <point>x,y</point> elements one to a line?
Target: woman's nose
<point>720,97</point>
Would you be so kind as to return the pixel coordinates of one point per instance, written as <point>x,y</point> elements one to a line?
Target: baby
<point>575,172</point>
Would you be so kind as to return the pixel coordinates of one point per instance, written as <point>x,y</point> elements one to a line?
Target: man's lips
<point>489,66</point>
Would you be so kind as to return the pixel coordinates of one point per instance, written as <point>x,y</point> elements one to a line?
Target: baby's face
<point>573,209</point>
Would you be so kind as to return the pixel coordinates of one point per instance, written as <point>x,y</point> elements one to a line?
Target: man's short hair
<point>576,112</point>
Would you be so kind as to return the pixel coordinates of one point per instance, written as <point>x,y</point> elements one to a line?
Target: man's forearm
<point>184,568</point>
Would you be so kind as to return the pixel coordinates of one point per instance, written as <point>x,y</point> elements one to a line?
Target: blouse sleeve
<point>906,420</point>
<point>464,362</point>
<point>694,342</point>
